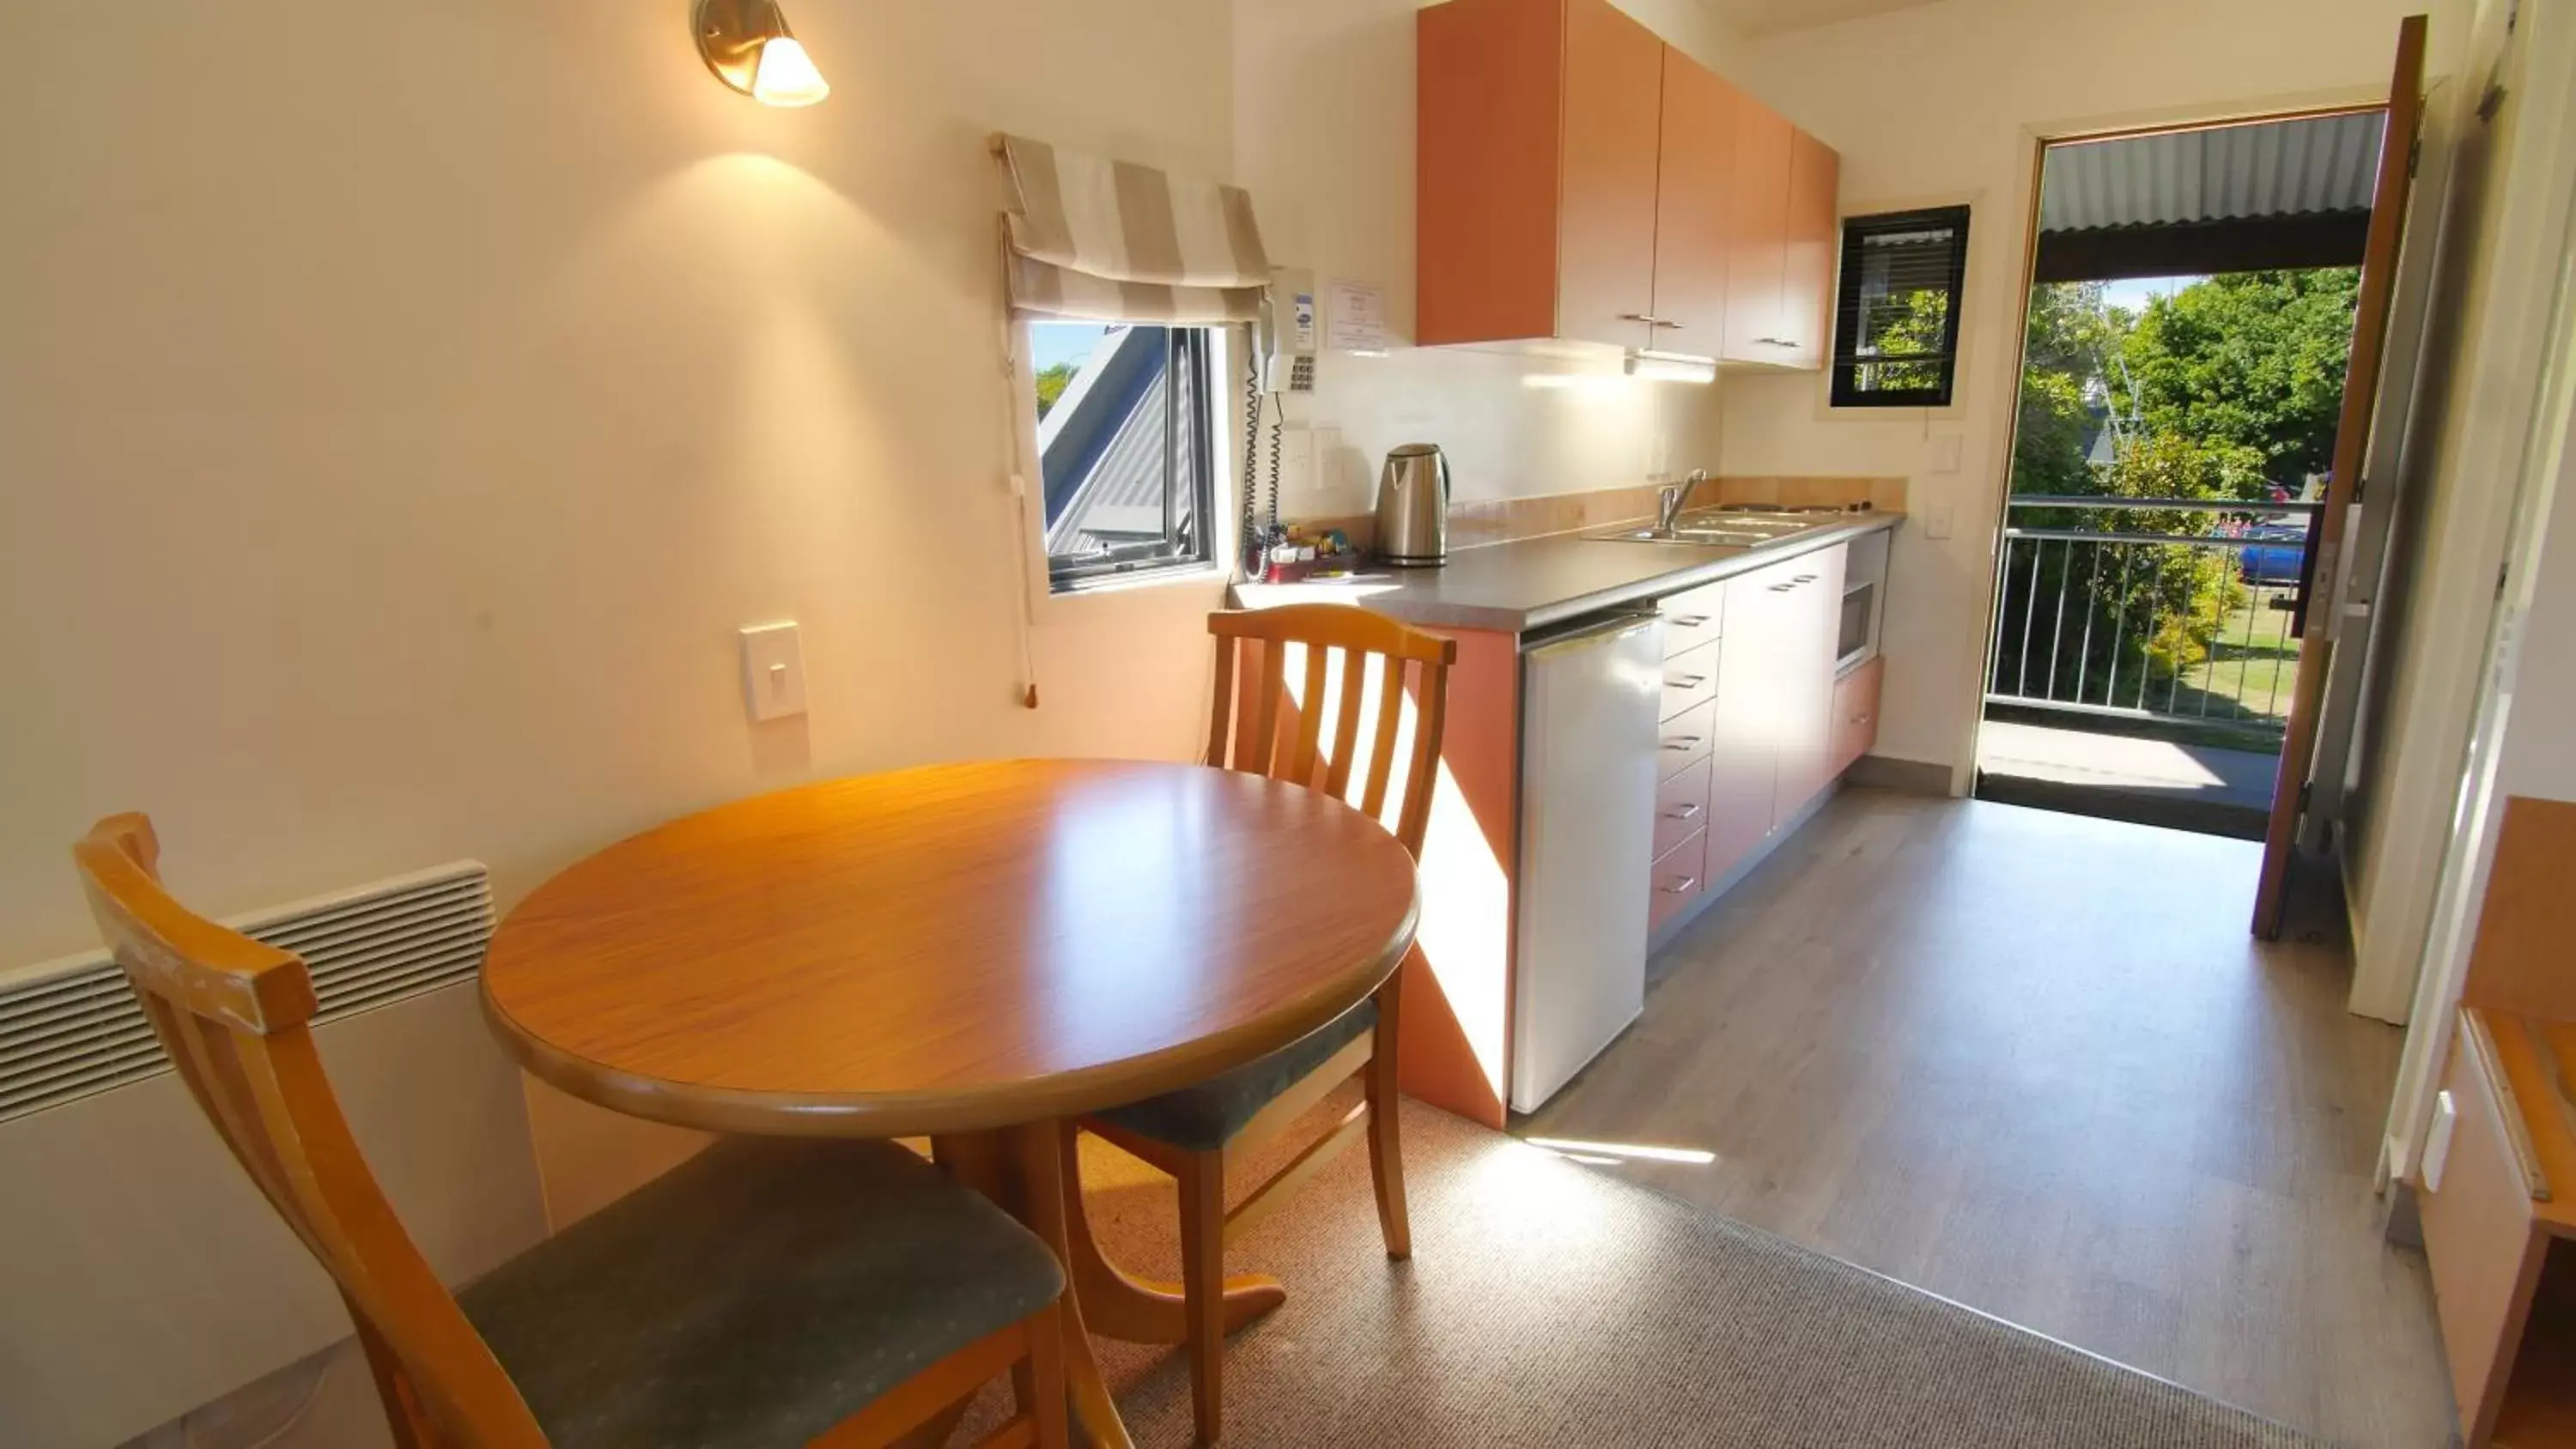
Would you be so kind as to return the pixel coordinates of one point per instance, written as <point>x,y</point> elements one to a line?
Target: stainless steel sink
<point>1702,537</point>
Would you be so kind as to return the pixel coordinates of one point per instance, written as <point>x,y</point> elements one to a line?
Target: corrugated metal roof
<point>2274,168</point>
<point>1124,484</point>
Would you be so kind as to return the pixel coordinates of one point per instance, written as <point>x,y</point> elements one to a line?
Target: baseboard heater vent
<point>70,1028</point>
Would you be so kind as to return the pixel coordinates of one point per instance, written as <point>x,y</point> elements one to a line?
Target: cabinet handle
<point>1649,318</point>
<point>1681,887</point>
<point>1782,588</point>
<point>1689,810</point>
<point>1806,578</point>
<point>1682,742</point>
<point>1687,681</point>
<point>1775,342</point>
<point>1690,621</point>
<point>1663,322</point>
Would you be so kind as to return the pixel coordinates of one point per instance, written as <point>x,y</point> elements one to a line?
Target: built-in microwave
<point>1860,605</point>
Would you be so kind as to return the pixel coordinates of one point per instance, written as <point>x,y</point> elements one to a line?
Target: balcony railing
<point>2151,608</point>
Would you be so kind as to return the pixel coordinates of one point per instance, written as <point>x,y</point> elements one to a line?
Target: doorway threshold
<point>2180,785</point>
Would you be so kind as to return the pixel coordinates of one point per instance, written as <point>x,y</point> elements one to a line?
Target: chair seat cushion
<point>755,1295</point>
<point>1205,1117</point>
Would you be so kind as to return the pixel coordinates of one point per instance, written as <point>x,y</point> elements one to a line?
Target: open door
<point>2352,439</point>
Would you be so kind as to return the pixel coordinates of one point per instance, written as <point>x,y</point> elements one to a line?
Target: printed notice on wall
<point>1355,318</point>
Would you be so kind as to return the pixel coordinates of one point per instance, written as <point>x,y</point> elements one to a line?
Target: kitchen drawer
<point>1856,714</point>
<point>1686,739</point>
<point>1676,880</point>
<point>1690,679</point>
<point>1681,807</point>
<point>1692,619</point>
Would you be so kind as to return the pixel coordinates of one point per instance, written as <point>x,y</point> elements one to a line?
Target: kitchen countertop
<point>1531,583</point>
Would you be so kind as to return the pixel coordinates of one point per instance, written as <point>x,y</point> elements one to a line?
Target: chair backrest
<point>234,1016</point>
<point>1413,668</point>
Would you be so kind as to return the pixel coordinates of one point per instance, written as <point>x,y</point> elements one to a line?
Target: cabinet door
<point>1744,729</point>
<point>1807,286</point>
<point>1811,605</point>
<point>1614,81</point>
<point>1690,207</point>
<point>1757,228</point>
<point>1487,131</point>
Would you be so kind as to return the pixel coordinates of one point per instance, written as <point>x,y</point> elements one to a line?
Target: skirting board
<point>1910,777</point>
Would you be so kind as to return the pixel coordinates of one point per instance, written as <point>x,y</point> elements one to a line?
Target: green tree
<point>1052,382</point>
<point>2248,359</point>
<point>2176,596</point>
<point>2069,334</point>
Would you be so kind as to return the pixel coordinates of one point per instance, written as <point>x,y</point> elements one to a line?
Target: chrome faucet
<point>1670,498</point>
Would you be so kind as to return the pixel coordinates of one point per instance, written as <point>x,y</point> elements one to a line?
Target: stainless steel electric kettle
<point>1413,507</point>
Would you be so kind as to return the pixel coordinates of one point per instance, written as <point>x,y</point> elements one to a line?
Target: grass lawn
<point>2253,668</point>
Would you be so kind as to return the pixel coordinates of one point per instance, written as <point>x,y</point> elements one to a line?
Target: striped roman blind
<point>1095,239</point>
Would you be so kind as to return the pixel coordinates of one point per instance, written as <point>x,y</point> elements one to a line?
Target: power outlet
<point>773,671</point>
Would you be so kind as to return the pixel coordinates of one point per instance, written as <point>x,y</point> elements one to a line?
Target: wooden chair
<point>1191,1133</point>
<point>767,1292</point>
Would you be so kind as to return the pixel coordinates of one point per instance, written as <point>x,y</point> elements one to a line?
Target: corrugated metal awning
<point>2319,165</point>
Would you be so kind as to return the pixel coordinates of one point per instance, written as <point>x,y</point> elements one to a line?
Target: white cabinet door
<point>1811,612</point>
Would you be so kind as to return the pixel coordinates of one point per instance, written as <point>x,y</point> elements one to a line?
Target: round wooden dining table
<point>977,953</point>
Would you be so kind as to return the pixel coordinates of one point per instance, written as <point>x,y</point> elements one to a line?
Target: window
<point>1896,317</point>
<point>1126,446</point>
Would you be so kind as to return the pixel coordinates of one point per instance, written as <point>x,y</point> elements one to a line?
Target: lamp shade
<point>785,75</point>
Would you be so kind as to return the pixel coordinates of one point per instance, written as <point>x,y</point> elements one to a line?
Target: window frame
<point>1202,348</point>
<point>1843,362</point>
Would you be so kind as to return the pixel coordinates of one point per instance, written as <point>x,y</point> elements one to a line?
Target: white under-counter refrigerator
<point>1589,705</point>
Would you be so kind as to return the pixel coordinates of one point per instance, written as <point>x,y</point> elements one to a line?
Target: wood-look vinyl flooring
<point>2034,1063</point>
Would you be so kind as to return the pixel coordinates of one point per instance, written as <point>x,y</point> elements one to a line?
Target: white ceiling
<point>1755,18</point>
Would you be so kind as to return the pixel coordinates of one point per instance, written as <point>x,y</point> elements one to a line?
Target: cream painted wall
<point>1324,116</point>
<point>1945,103</point>
<point>399,416</point>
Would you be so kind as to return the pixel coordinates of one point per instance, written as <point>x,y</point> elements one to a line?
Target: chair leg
<point>404,1414</point>
<point>1202,1184</point>
<point>1037,1382</point>
<point>1386,1154</point>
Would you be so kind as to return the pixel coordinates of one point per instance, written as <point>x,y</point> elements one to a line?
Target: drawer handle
<point>1806,578</point>
<point>1687,681</point>
<point>1689,810</point>
<point>1690,621</point>
<point>1681,887</point>
<point>1782,588</point>
<point>1682,742</point>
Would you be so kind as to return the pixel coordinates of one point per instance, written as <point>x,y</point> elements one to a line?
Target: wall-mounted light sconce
<point>746,44</point>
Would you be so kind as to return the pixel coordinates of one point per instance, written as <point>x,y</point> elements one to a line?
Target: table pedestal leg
<point>1138,1310</point>
<point>1022,1168</point>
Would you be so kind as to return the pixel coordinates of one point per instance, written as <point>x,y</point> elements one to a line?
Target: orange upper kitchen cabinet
<point>1538,130</point>
<point>1781,231</point>
<point>1693,187</point>
<point>1757,232</point>
<point>1807,270</point>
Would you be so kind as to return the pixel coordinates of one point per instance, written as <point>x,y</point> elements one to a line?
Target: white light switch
<point>1945,453</point>
<point>773,671</point>
<point>1936,521</point>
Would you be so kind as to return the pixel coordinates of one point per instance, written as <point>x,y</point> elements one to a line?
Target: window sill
<point>1138,588</point>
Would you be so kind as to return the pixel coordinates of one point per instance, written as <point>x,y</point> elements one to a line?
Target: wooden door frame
<point>2041,138</point>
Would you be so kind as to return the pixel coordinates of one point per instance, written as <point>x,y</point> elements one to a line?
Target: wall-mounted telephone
<point>1284,344</point>
<point>1288,361</point>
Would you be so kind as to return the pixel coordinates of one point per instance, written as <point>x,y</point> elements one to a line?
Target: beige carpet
<point>1549,1303</point>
